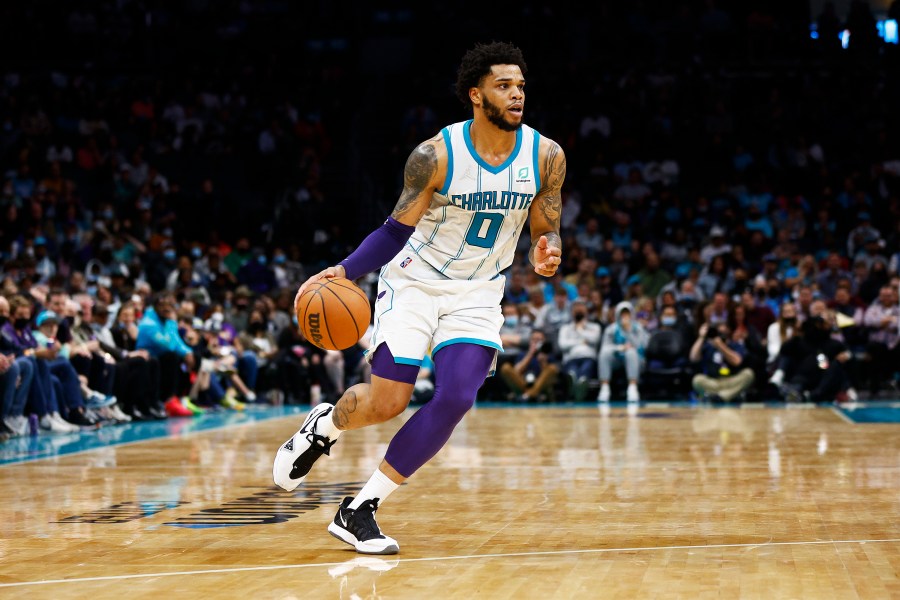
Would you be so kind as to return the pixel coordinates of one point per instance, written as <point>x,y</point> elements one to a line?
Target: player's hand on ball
<point>547,258</point>
<point>335,271</point>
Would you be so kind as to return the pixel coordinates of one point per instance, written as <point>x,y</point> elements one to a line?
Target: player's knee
<point>455,400</point>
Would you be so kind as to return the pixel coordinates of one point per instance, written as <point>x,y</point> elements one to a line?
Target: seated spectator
<point>811,364</point>
<point>42,399</point>
<point>125,333</point>
<point>645,314</point>
<point>553,315</point>
<point>216,381</point>
<point>758,314</point>
<point>534,374</point>
<point>515,332</point>
<point>64,381</point>
<point>622,346</point>
<point>579,342</point>
<point>16,375</point>
<point>783,329</point>
<point>96,366</point>
<point>719,358</point>
<point>258,346</point>
<point>158,334</point>
<point>516,292</point>
<point>881,317</point>
<point>300,368</point>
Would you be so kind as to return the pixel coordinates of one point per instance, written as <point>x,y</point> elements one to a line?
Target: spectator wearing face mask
<point>579,341</point>
<point>257,274</point>
<point>622,346</point>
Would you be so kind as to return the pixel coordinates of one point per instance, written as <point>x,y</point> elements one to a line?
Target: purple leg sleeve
<point>383,366</point>
<point>459,370</point>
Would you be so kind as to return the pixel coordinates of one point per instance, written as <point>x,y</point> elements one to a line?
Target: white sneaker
<point>633,395</point>
<point>18,424</point>
<point>777,378</point>
<point>359,529</point>
<point>296,456</point>
<point>604,393</point>
<point>118,414</point>
<point>51,425</point>
<point>71,427</point>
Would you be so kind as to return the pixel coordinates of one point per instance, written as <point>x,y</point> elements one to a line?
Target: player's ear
<point>475,96</point>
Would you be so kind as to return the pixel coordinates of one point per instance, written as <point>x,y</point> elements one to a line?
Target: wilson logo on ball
<point>315,331</point>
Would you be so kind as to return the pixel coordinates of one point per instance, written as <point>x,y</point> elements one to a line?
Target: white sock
<point>379,486</point>
<point>325,426</point>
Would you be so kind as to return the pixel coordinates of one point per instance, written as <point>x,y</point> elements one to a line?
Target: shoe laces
<point>363,520</point>
<point>320,442</point>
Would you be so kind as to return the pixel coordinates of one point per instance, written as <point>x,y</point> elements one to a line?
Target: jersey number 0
<point>484,229</point>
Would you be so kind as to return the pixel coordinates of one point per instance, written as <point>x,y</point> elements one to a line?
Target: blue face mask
<point>196,252</point>
<point>169,255</point>
<point>512,321</point>
<point>261,260</point>
<point>279,259</point>
<point>668,321</point>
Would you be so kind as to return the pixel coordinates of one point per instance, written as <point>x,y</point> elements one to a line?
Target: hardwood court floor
<point>567,502</point>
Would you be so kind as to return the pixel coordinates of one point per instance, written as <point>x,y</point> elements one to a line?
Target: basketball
<point>333,313</point>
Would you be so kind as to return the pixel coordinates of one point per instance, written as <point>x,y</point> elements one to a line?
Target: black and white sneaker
<point>359,529</point>
<point>296,456</point>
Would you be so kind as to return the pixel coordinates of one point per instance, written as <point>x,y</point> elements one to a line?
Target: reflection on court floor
<point>572,501</point>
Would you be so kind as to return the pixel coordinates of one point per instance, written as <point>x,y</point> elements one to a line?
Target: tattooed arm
<point>545,212</point>
<point>424,173</point>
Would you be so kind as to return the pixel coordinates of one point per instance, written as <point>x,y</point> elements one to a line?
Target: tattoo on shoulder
<point>417,176</point>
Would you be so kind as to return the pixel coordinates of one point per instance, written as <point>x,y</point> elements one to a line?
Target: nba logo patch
<point>405,262</point>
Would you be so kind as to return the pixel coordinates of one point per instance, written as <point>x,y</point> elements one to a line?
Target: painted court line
<point>842,415</point>
<point>447,558</point>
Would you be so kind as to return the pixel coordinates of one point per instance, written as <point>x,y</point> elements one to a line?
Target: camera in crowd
<point>713,334</point>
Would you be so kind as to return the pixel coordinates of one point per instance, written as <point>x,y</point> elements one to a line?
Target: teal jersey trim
<point>466,340</point>
<point>480,161</point>
<point>400,360</point>
<point>537,168</point>
<point>445,132</point>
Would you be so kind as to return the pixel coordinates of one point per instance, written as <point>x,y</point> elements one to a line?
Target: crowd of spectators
<point>732,185</point>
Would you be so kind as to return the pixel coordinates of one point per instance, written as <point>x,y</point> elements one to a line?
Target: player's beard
<point>495,115</point>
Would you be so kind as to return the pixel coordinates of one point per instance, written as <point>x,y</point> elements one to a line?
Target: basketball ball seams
<point>344,304</point>
<point>313,321</point>
<point>325,319</point>
<point>353,287</point>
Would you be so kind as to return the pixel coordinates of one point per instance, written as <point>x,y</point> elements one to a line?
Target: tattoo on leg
<point>343,409</point>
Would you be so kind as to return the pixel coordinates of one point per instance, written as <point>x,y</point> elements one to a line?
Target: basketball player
<point>466,196</point>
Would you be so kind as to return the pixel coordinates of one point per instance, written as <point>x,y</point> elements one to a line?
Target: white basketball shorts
<point>418,311</point>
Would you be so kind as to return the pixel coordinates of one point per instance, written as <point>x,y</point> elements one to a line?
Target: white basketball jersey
<point>472,227</point>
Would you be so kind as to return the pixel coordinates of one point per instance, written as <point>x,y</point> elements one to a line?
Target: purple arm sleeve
<point>377,249</point>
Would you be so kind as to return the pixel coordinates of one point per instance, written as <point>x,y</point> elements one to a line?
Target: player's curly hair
<point>477,62</point>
